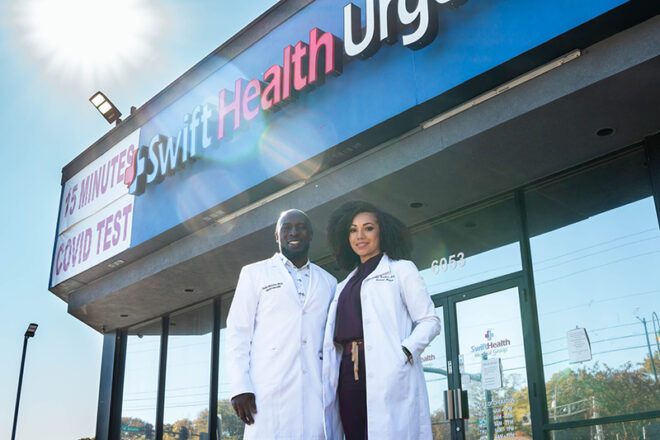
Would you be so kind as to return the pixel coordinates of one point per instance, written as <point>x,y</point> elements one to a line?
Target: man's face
<point>293,235</point>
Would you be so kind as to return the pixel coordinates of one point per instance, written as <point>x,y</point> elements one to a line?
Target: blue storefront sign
<point>470,40</point>
<point>320,78</point>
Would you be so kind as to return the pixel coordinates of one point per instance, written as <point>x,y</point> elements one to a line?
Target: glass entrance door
<point>486,394</point>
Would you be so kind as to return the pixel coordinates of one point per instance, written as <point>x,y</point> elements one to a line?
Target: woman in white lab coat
<point>379,323</point>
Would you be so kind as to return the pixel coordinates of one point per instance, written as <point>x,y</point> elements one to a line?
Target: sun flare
<point>88,40</point>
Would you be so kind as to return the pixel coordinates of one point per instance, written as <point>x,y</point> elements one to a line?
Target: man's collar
<point>286,262</point>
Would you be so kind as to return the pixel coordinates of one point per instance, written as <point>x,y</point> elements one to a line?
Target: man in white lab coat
<point>275,338</point>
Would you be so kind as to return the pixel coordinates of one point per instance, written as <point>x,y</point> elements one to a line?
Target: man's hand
<point>245,406</point>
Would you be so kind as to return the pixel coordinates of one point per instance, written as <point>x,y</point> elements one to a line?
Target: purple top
<point>349,310</point>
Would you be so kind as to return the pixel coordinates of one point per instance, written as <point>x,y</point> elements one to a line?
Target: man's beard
<point>293,255</point>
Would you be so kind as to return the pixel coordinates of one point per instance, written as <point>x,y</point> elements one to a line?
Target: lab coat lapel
<point>289,285</point>
<point>382,268</point>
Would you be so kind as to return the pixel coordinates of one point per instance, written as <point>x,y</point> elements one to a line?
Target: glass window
<point>230,427</point>
<point>138,412</point>
<point>187,380</point>
<point>596,253</point>
<point>642,429</point>
<point>434,360</point>
<point>492,366</point>
<point>469,247</point>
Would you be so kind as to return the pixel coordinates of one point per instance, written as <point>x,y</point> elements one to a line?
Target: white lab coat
<point>394,299</point>
<point>274,349</point>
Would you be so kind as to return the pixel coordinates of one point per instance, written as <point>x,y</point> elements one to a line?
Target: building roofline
<point>227,51</point>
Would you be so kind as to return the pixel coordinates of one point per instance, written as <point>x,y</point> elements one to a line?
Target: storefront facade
<point>519,143</point>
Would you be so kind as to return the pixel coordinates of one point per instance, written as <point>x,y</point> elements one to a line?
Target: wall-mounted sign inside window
<point>579,346</point>
<point>304,67</point>
<point>491,373</point>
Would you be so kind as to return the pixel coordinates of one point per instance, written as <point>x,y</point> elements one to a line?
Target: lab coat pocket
<point>397,385</point>
<point>262,365</point>
<point>403,357</point>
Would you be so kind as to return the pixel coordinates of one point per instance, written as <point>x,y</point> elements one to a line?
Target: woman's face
<point>364,236</point>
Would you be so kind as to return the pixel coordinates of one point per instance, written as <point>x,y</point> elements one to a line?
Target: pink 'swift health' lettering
<point>304,66</point>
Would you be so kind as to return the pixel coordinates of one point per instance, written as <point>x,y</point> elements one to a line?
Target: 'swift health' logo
<point>491,346</point>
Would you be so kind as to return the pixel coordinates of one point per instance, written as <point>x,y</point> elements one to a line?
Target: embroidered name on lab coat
<point>269,287</point>
<point>388,278</point>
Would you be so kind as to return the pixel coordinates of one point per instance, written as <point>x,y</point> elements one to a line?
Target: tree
<point>646,365</point>
<point>440,426</point>
<point>133,422</point>
<point>232,426</point>
<point>201,423</point>
<point>601,391</point>
<point>173,431</point>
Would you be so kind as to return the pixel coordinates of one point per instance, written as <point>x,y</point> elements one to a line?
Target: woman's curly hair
<point>395,238</point>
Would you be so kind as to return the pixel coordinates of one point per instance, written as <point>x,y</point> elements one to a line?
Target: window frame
<point>114,351</point>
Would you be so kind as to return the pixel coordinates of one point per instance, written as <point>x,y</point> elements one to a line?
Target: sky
<point>52,62</point>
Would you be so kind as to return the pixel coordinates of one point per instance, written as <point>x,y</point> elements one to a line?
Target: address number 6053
<point>444,264</point>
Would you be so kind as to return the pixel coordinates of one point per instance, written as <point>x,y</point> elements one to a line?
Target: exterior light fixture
<point>32,328</point>
<point>29,333</point>
<point>105,107</point>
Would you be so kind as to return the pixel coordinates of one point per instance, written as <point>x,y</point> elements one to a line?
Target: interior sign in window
<point>579,346</point>
<point>491,373</point>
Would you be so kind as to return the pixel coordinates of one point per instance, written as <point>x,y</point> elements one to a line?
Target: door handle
<point>449,405</point>
<point>461,402</point>
<point>456,404</point>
